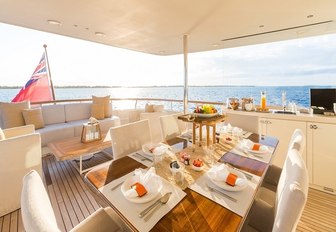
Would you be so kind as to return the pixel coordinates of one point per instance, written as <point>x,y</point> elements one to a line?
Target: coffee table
<point>73,148</point>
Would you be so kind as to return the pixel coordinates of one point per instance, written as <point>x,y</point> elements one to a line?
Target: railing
<point>138,102</point>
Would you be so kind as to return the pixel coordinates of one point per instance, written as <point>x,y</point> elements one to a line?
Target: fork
<point>221,193</point>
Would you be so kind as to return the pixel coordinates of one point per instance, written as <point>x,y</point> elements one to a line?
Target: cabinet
<point>283,130</point>
<point>321,155</point>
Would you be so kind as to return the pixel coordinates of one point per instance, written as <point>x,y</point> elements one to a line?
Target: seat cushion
<point>99,219</point>
<point>33,116</point>
<point>56,132</point>
<point>11,114</point>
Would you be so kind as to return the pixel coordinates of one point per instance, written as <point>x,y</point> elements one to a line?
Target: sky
<point>309,61</point>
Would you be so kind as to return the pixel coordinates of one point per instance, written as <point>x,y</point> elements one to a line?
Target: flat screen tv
<point>323,98</point>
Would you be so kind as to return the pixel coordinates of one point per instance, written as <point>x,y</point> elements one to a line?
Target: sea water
<point>300,95</point>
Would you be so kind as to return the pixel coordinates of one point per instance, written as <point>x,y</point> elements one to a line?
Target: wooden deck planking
<point>72,201</point>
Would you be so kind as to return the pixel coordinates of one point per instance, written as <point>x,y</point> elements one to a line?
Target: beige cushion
<point>11,113</point>
<point>98,221</point>
<point>149,108</point>
<point>105,101</point>
<point>97,111</point>
<point>158,108</point>
<point>37,212</point>
<point>33,116</point>
<point>2,135</point>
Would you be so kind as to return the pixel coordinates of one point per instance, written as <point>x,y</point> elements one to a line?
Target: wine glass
<point>283,100</point>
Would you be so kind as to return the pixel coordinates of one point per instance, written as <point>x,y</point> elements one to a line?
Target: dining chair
<point>129,138</point>
<point>174,131</point>
<point>280,212</point>
<point>38,215</point>
<point>273,173</point>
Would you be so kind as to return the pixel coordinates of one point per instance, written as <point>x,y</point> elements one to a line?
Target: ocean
<point>300,95</point>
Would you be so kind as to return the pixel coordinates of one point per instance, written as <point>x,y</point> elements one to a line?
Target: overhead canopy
<point>158,26</point>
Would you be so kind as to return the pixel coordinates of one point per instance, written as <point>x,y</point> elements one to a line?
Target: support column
<point>185,56</point>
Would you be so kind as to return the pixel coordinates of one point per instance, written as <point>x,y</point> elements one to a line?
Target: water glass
<point>157,159</point>
<point>335,108</point>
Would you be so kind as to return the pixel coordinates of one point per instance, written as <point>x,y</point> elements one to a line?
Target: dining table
<point>199,208</point>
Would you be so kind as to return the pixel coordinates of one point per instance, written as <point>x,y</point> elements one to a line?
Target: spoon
<point>163,200</point>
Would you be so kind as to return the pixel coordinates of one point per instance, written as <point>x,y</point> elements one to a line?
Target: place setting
<point>228,187</point>
<point>151,153</point>
<point>143,197</point>
<point>253,150</point>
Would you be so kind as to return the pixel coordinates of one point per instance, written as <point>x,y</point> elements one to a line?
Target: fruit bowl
<point>205,110</point>
<point>197,165</point>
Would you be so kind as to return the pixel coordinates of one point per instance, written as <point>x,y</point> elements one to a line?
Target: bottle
<point>263,100</point>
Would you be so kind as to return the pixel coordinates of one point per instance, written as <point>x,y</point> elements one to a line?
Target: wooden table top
<point>194,213</point>
<point>73,147</point>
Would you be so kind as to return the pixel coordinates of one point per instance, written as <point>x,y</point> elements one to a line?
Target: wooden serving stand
<point>203,121</point>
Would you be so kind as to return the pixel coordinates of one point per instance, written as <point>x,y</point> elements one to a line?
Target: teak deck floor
<point>73,201</point>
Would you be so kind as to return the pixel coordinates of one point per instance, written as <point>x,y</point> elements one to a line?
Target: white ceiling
<point>158,26</point>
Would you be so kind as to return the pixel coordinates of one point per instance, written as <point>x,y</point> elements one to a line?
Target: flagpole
<point>49,73</point>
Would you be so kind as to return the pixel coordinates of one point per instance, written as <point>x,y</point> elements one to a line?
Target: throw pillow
<point>106,104</point>
<point>33,116</point>
<point>97,111</point>
<point>11,113</point>
<point>2,134</point>
<point>149,108</point>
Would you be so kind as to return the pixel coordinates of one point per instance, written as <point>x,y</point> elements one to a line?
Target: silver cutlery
<point>143,157</point>
<point>221,193</point>
<point>163,200</point>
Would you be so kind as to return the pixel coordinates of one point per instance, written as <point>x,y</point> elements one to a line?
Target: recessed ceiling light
<point>54,22</point>
<point>162,52</point>
<point>215,45</point>
<point>261,26</point>
<point>99,34</point>
<point>310,16</point>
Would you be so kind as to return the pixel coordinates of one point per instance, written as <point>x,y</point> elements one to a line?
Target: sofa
<point>63,121</point>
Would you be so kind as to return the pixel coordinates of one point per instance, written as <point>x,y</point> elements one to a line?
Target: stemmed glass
<point>283,100</point>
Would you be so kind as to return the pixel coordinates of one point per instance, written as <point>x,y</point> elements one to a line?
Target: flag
<point>38,87</point>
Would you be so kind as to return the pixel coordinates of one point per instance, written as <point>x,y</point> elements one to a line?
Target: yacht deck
<point>73,201</point>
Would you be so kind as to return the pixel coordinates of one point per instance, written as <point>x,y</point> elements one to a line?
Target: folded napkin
<point>159,150</point>
<point>221,173</point>
<point>253,146</point>
<point>149,180</point>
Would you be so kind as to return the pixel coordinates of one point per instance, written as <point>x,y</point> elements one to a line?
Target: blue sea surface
<point>297,94</point>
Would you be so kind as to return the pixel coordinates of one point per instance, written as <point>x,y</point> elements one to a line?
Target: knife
<point>144,157</point>
<point>221,193</point>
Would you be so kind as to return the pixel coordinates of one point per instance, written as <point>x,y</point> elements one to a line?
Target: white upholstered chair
<point>174,130</point>
<point>38,215</point>
<point>272,176</point>
<point>280,212</point>
<point>129,138</point>
<point>20,152</point>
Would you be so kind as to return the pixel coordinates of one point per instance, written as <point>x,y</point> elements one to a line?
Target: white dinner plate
<point>262,150</point>
<point>146,198</point>
<point>225,186</point>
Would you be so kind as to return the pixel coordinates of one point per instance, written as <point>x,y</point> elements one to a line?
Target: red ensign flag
<point>38,87</point>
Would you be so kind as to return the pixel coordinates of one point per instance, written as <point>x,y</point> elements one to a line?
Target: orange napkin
<point>139,188</point>
<point>256,147</point>
<point>231,179</point>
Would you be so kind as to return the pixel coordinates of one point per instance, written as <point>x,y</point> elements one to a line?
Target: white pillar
<point>185,56</point>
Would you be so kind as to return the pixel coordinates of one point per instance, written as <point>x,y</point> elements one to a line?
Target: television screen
<point>323,98</point>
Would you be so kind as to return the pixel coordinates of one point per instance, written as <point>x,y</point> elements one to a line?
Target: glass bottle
<point>263,100</point>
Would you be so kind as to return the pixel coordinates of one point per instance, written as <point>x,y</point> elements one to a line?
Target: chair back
<point>170,126</point>
<point>297,141</point>
<point>36,210</point>
<point>129,138</point>
<point>292,191</point>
